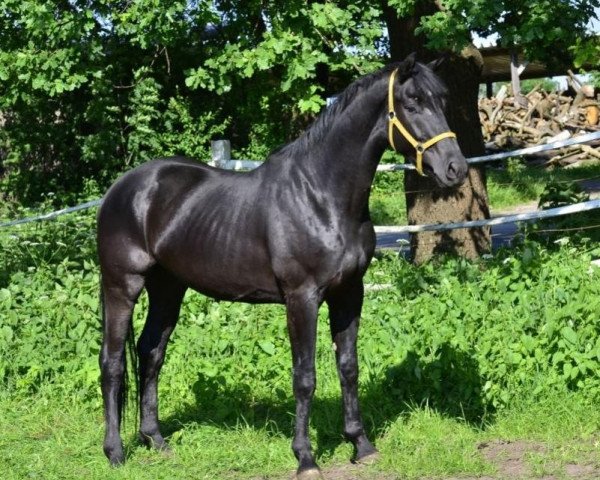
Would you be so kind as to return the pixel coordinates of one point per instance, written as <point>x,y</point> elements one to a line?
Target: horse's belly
<point>249,281</point>
<point>238,293</point>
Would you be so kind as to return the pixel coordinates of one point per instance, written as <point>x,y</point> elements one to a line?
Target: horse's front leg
<point>302,308</point>
<point>344,311</point>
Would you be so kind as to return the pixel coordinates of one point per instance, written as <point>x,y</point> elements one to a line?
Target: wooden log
<point>566,158</point>
<point>592,114</point>
<point>506,125</point>
<point>590,151</point>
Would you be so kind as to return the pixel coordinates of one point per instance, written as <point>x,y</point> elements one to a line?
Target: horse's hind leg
<point>344,311</point>
<point>165,294</point>
<point>119,298</point>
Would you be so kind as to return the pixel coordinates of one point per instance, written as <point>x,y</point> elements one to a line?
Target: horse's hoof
<point>310,474</point>
<point>116,460</point>
<point>162,447</point>
<point>115,455</point>
<point>165,451</point>
<point>155,442</point>
<point>369,459</point>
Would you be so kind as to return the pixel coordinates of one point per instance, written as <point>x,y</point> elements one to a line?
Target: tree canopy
<point>89,88</point>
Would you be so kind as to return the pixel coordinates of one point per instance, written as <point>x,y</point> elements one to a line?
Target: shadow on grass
<point>451,385</point>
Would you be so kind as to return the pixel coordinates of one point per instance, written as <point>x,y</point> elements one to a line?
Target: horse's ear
<point>437,63</point>
<point>407,67</point>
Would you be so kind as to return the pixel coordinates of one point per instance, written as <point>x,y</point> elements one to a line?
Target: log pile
<point>542,117</point>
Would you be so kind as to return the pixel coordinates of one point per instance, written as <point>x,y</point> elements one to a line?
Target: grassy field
<point>468,369</point>
<point>57,437</point>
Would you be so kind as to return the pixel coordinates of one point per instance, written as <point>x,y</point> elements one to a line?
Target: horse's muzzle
<point>450,173</point>
<point>456,172</point>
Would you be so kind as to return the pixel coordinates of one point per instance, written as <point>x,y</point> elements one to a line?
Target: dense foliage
<point>465,337</point>
<point>89,88</point>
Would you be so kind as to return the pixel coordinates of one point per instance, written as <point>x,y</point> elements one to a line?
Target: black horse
<point>294,231</point>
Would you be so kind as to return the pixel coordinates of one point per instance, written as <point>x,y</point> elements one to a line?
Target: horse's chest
<point>348,263</point>
<point>335,263</point>
<point>356,256</point>
<point>323,256</point>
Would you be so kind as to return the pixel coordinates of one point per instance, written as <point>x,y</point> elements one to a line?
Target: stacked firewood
<point>540,117</point>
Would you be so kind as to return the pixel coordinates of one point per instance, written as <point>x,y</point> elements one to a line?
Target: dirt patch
<point>582,471</point>
<point>510,457</point>
<point>511,460</point>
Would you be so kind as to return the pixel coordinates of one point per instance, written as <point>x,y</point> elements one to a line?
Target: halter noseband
<point>394,122</point>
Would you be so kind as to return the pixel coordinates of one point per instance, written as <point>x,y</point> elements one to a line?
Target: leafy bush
<point>39,246</point>
<point>559,194</point>
<point>464,337</point>
<point>476,335</point>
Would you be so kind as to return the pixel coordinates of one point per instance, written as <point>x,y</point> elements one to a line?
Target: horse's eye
<point>412,103</point>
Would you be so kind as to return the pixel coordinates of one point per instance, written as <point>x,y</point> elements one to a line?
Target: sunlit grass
<point>51,437</point>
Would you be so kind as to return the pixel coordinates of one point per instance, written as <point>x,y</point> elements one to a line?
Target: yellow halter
<point>394,122</point>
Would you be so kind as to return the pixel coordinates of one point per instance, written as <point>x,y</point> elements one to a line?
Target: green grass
<point>513,185</point>
<point>518,184</point>
<point>52,437</point>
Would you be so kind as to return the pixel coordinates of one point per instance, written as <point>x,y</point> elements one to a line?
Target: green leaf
<point>569,335</point>
<point>267,347</point>
<point>7,333</point>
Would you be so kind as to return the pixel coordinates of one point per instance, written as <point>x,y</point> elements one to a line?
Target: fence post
<point>221,152</point>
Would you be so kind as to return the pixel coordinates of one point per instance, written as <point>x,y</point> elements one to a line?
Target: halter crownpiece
<point>393,121</point>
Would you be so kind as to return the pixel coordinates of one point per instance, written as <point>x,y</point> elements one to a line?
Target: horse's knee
<point>348,367</point>
<point>305,383</point>
<point>148,354</point>
<point>111,365</point>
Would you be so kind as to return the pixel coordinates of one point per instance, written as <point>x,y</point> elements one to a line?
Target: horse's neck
<point>347,157</point>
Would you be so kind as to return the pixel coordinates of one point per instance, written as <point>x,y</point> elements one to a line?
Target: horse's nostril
<point>452,171</point>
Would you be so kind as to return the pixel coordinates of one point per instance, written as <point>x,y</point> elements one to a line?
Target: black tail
<point>134,363</point>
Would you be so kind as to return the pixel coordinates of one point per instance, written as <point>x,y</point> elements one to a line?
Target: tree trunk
<point>426,202</point>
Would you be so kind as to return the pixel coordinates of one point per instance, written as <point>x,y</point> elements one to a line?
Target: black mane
<point>324,121</point>
<point>424,80</point>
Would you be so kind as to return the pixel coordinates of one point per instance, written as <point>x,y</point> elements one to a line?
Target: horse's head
<point>417,125</point>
